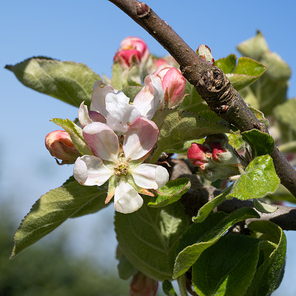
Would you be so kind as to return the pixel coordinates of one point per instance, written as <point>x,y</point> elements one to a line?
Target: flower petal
<point>140,138</point>
<point>150,176</point>
<point>90,170</point>
<point>149,98</point>
<point>100,90</point>
<point>120,113</point>
<point>126,199</point>
<point>102,141</point>
<point>83,116</point>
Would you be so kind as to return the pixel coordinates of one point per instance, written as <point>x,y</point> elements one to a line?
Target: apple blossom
<point>173,84</point>
<point>60,145</point>
<point>114,108</point>
<point>121,164</point>
<point>133,50</point>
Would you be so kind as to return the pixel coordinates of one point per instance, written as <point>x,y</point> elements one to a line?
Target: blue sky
<point>90,33</point>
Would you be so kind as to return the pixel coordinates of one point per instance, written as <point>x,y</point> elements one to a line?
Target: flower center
<point>122,167</point>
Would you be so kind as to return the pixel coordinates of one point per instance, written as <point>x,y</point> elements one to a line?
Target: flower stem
<point>181,283</point>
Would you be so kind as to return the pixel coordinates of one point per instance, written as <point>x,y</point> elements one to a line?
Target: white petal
<point>102,141</point>
<point>149,98</point>
<point>150,176</point>
<point>140,138</point>
<point>126,199</point>
<point>120,113</point>
<point>100,90</point>
<point>83,116</point>
<point>90,170</point>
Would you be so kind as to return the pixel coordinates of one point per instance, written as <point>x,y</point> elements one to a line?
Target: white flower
<point>115,107</point>
<point>121,164</point>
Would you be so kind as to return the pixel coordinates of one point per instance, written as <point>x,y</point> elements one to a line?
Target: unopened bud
<point>60,146</point>
<point>132,50</point>
<point>198,155</point>
<point>215,159</point>
<point>173,84</point>
<point>206,54</point>
<point>141,285</point>
<point>222,152</point>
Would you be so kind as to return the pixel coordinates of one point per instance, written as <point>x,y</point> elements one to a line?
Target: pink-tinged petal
<point>100,90</point>
<point>198,154</point>
<point>173,84</point>
<point>140,138</point>
<point>90,170</point>
<point>120,113</point>
<point>83,115</point>
<point>96,116</point>
<point>150,97</point>
<point>150,176</point>
<point>127,57</point>
<point>126,198</point>
<point>102,140</point>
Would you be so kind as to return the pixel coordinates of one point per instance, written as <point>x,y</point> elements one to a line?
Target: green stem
<point>182,286</point>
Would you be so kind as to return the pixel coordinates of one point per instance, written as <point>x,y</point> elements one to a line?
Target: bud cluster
<point>215,158</point>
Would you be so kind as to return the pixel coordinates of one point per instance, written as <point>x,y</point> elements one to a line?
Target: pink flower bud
<point>141,285</point>
<point>222,151</point>
<point>199,155</point>
<point>173,84</point>
<point>132,50</point>
<point>60,146</point>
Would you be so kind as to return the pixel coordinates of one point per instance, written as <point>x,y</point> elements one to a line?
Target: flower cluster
<point>215,158</point>
<point>121,134</point>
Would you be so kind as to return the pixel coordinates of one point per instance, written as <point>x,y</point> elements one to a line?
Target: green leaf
<point>255,47</point>
<point>125,268</point>
<point>116,80</point>
<point>174,130</point>
<point>260,116</point>
<point>207,208</point>
<point>95,205</point>
<point>227,267</point>
<point>228,64</point>
<point>271,89</point>
<point>131,91</point>
<point>192,101</point>
<point>75,133</point>
<point>264,207</point>
<point>257,181</point>
<point>282,194</point>
<point>149,236</point>
<point>260,142</point>
<point>168,288</point>
<point>285,116</point>
<point>50,211</point>
<point>270,273</point>
<point>67,81</point>
<point>236,141</point>
<point>170,193</point>
<point>201,236</point>
<point>246,72</point>
<point>242,74</point>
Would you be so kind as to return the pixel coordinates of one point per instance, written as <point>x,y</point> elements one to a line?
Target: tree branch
<point>210,81</point>
<point>199,195</point>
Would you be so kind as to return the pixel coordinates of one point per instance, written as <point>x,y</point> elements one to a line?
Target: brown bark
<point>210,81</point>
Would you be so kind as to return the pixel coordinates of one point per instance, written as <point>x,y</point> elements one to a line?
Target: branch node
<point>143,9</point>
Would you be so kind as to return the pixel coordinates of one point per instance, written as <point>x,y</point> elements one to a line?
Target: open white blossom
<point>121,164</point>
<point>115,108</point>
